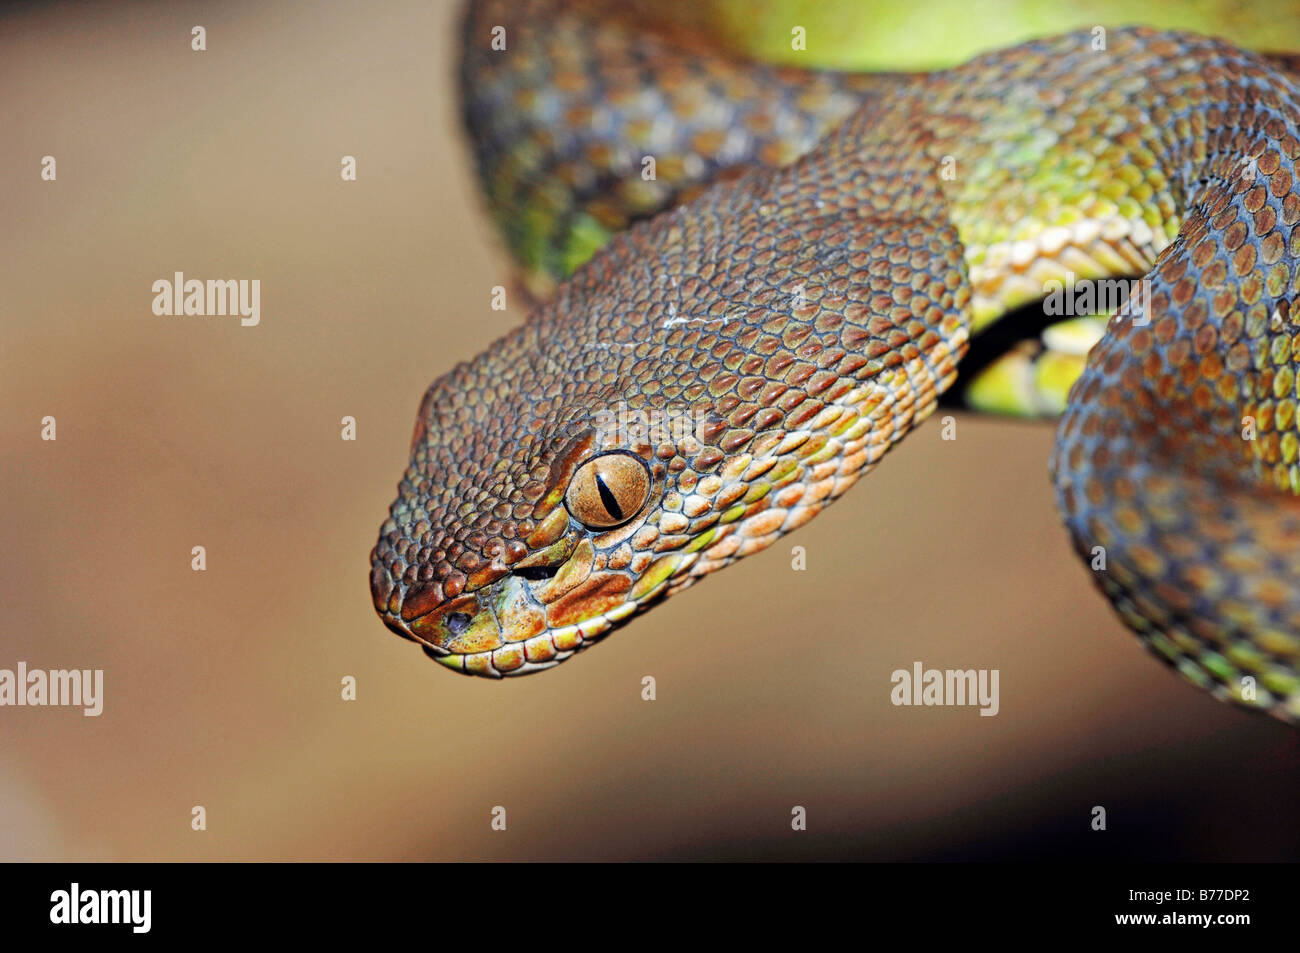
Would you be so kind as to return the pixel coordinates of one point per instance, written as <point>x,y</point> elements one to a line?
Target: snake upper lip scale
<point>810,313</point>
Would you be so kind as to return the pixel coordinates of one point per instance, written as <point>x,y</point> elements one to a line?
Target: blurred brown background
<point>223,687</point>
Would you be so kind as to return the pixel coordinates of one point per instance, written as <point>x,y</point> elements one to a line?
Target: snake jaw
<point>509,634</point>
<point>600,601</point>
<point>544,650</point>
<point>540,611</point>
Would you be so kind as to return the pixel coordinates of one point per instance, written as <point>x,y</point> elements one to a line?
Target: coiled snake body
<point>803,316</point>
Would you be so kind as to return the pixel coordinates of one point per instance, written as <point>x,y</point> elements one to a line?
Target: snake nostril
<point>458,622</point>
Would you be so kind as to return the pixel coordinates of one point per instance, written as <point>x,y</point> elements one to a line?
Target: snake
<point>751,281</point>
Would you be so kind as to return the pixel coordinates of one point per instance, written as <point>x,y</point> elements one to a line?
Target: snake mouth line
<point>508,627</point>
<point>538,653</point>
<point>544,650</point>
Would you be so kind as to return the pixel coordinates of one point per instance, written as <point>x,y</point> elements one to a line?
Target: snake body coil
<point>804,317</point>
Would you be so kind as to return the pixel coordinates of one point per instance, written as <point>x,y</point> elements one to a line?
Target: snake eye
<point>608,490</point>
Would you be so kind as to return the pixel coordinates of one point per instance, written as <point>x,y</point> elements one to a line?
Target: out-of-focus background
<point>223,687</point>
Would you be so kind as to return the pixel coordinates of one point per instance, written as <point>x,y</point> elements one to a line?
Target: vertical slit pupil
<point>607,497</point>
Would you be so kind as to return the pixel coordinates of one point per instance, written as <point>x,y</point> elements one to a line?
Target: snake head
<point>702,386</point>
<point>513,567</point>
